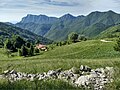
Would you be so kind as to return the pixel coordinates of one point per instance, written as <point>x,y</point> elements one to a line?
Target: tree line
<point>18,44</point>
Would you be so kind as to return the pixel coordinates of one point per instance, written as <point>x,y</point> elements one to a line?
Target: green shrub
<point>31,50</point>
<point>73,37</point>
<point>19,52</point>
<point>117,45</point>
<point>37,50</point>
<point>82,38</point>
<point>24,51</point>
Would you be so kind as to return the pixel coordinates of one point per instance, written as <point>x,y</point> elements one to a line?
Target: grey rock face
<point>39,19</point>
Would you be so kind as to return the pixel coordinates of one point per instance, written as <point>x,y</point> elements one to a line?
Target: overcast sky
<point>14,10</point>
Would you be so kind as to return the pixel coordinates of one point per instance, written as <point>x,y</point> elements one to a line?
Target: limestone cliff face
<point>38,19</point>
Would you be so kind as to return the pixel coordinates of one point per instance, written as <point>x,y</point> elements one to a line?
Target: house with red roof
<point>42,47</point>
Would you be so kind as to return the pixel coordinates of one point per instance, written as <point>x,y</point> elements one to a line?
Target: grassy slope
<point>84,50</point>
<point>113,31</point>
<point>92,53</point>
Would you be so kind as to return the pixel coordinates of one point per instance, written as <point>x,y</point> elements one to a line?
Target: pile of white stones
<point>83,76</point>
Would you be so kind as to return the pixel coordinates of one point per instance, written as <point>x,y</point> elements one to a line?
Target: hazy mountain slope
<point>113,31</point>
<point>6,31</point>
<point>58,28</point>
<point>39,24</point>
<point>90,25</point>
<point>40,29</point>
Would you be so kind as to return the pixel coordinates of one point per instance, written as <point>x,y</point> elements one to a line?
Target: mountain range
<point>58,29</point>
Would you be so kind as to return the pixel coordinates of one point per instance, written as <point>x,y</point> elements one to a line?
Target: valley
<point>39,45</point>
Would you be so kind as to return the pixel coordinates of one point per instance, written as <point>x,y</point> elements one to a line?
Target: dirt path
<point>105,41</point>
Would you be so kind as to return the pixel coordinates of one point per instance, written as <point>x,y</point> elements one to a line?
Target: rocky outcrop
<point>39,19</point>
<point>83,76</point>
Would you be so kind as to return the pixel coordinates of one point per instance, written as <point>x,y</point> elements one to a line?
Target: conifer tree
<point>24,51</point>
<point>31,51</point>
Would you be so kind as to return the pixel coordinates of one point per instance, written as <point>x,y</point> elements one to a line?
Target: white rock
<point>5,72</point>
<point>97,78</point>
<point>51,73</point>
<point>82,80</point>
<point>82,67</point>
<point>12,72</point>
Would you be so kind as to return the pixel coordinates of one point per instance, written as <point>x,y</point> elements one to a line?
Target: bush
<point>24,51</point>
<point>64,42</point>
<point>51,46</point>
<point>69,42</point>
<point>19,52</point>
<point>117,45</point>
<point>8,45</point>
<point>73,37</point>
<point>31,51</point>
<point>37,50</point>
<point>7,52</point>
<point>82,38</point>
<point>28,44</point>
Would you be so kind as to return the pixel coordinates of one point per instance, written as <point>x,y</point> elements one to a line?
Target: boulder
<point>12,72</point>
<point>6,72</point>
<point>51,73</point>
<point>82,81</point>
<point>75,70</point>
<point>85,68</point>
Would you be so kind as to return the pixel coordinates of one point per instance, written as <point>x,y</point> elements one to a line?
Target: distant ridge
<point>58,29</point>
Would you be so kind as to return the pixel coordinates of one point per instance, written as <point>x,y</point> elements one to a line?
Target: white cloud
<point>12,10</point>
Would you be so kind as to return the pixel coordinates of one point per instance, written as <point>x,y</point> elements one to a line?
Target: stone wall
<point>83,76</point>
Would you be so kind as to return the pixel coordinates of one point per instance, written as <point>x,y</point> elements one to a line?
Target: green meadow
<point>93,53</point>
